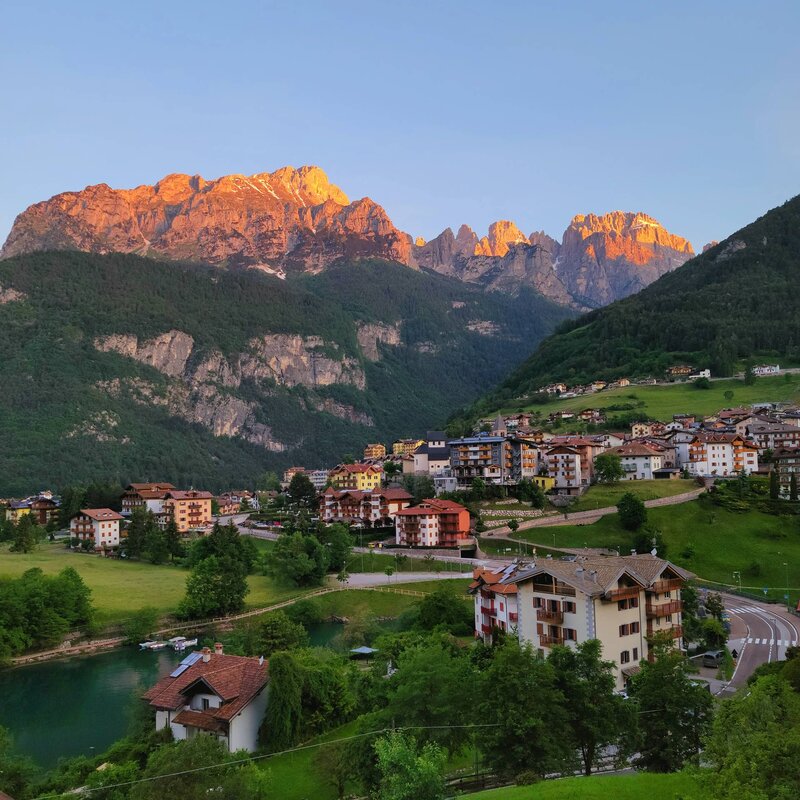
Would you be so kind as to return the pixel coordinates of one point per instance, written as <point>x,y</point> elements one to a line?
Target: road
<point>760,632</point>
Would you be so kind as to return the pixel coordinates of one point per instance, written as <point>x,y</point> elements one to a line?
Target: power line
<point>250,759</point>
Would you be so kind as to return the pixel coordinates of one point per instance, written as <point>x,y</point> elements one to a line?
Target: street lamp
<point>737,576</point>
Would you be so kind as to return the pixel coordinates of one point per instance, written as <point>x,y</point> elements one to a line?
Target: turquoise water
<point>78,705</point>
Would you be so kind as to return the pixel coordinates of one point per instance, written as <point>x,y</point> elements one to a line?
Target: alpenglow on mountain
<point>295,220</point>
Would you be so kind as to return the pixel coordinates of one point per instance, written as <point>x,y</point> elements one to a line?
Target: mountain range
<point>738,300</point>
<point>296,220</point>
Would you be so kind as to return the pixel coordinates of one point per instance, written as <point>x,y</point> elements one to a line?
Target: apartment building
<point>191,510</point>
<point>717,455</point>
<point>495,602</point>
<point>374,451</point>
<point>483,456</point>
<point>147,496</point>
<point>786,462</point>
<point>405,447</point>
<point>432,456</point>
<point>772,435</point>
<point>639,461</point>
<point>100,526</point>
<point>375,507</point>
<point>620,600</point>
<point>433,523</point>
<point>356,476</point>
<point>565,467</point>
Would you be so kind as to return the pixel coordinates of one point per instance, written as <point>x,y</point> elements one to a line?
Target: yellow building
<point>405,447</point>
<point>375,451</point>
<point>191,510</point>
<point>356,476</point>
<point>544,482</point>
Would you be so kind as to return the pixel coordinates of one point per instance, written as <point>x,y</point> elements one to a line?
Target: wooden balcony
<point>625,593</point>
<point>666,585</point>
<point>664,609</point>
<point>546,640</point>
<point>554,588</point>
<point>675,632</point>
<point>550,616</point>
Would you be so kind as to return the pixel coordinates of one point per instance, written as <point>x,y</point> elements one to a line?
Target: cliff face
<point>288,219</point>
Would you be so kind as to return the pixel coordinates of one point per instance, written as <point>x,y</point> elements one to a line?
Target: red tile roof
<point>190,495</point>
<point>101,514</point>
<point>236,680</point>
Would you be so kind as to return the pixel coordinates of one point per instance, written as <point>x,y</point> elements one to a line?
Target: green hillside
<point>69,412</point>
<point>736,301</point>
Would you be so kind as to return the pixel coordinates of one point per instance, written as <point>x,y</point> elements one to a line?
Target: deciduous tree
<point>608,468</point>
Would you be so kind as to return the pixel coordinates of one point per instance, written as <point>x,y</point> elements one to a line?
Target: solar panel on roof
<point>192,658</point>
<point>179,670</point>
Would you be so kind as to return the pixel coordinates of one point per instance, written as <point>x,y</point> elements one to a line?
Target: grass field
<point>603,495</point>
<point>120,587</point>
<point>706,539</point>
<point>661,402</point>
<point>602,787</point>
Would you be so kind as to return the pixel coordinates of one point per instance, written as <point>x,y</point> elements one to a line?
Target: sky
<point>442,112</point>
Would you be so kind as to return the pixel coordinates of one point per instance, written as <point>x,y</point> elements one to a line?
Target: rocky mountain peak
<point>501,234</point>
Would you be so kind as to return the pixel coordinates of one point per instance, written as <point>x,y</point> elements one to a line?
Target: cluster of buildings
<point>619,600</point>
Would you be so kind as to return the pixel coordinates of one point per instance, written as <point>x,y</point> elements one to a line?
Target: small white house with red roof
<point>213,694</point>
<point>98,525</point>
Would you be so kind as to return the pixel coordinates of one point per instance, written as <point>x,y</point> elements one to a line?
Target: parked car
<point>713,658</point>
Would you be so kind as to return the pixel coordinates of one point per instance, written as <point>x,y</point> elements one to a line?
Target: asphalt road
<point>761,633</point>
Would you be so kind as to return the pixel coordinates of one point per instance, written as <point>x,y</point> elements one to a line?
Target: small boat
<point>145,645</point>
<point>180,645</point>
<point>157,645</point>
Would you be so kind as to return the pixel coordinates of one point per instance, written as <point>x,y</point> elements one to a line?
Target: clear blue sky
<point>443,112</point>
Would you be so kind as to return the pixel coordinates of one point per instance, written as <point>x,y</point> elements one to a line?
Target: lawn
<point>120,587</point>
<point>603,495</point>
<point>706,539</point>
<point>602,787</point>
<point>661,402</point>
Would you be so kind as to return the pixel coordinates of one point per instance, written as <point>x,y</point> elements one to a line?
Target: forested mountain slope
<point>117,366</point>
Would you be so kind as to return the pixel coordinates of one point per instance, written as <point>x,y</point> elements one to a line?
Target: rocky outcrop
<point>484,327</point>
<point>100,426</point>
<point>341,410</point>
<point>168,353</point>
<point>370,334</point>
<point>291,218</point>
<point>605,258</point>
<point>9,295</point>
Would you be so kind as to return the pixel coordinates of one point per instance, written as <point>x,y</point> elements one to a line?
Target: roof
<point>137,487</point>
<point>634,449</point>
<point>236,680</point>
<point>191,494</point>
<point>200,719</point>
<point>100,514</point>
<point>430,507</point>
<point>599,574</point>
<point>355,468</point>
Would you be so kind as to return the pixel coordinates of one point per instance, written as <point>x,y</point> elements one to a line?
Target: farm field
<point>661,402</point>
<point>706,539</point>
<point>120,587</point>
<point>677,786</point>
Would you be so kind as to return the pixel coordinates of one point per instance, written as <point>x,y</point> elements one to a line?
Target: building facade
<point>433,523</point>
<point>100,526</point>
<point>191,510</point>
<point>376,507</point>
<point>363,477</point>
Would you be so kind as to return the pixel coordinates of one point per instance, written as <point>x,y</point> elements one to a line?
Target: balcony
<point>666,585</point>
<point>548,615</point>
<point>556,588</point>
<point>624,593</point>
<point>675,632</point>
<point>488,609</point>
<point>547,640</point>
<point>664,609</point>
<point>512,616</point>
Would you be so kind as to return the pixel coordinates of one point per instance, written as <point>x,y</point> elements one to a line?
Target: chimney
<point>206,655</point>
<point>218,648</point>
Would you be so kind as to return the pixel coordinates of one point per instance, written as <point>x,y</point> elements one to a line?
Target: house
<point>374,507</point>
<point>97,525</point>
<point>701,373</point>
<point>433,455</point>
<point>766,369</point>
<point>495,602</point>
<point>433,523</point>
<point>717,455</point>
<point>375,451</point>
<point>226,505</point>
<point>771,435</point>
<point>786,462</point>
<point>290,473</point>
<point>619,600</point>
<point>212,694</point>
<point>555,388</point>
<point>597,386</point>
<point>593,416</point>
<point>679,372</point>
<point>191,510</point>
<point>639,461</point>
<point>356,476</point>
<point>43,508</point>
<point>404,447</point>
<point>318,478</point>
<point>588,447</point>
<point>148,496</point>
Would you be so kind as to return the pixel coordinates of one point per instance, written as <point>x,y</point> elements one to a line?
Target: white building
<point>564,466</point>
<point>767,369</point>
<point>621,601</point>
<point>717,455</point>
<point>98,525</point>
<point>639,461</point>
<point>213,694</point>
<point>495,602</point>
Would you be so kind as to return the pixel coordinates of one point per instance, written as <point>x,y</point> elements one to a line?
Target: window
<point>624,657</point>
<point>624,630</point>
<point>206,704</point>
<point>569,607</point>
<point>635,653</point>
<point>634,627</point>
<point>667,594</point>
<point>634,602</point>
<point>570,634</point>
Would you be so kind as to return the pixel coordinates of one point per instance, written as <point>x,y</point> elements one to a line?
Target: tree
<point>676,712</point>
<point>215,587</point>
<point>391,468</point>
<point>298,557</point>
<point>225,541</point>
<point>141,523</point>
<point>155,545</point>
<point>793,487</point>
<point>513,525</point>
<point>530,735</point>
<point>531,492</point>
<point>443,607</point>
<point>597,716</point>
<point>16,772</point>
<point>774,486</point>
<point>750,376</point>
<point>140,625</point>
<point>333,761</point>
<point>26,536</point>
<point>269,482</point>
<point>632,512</point>
<point>728,395</point>
<point>715,605</point>
<point>754,747</point>
<point>275,631</point>
<point>478,489</point>
<point>339,543</point>
<point>302,491</point>
<point>173,540</point>
<point>408,773</point>
<point>419,487</point>
<point>702,383</point>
